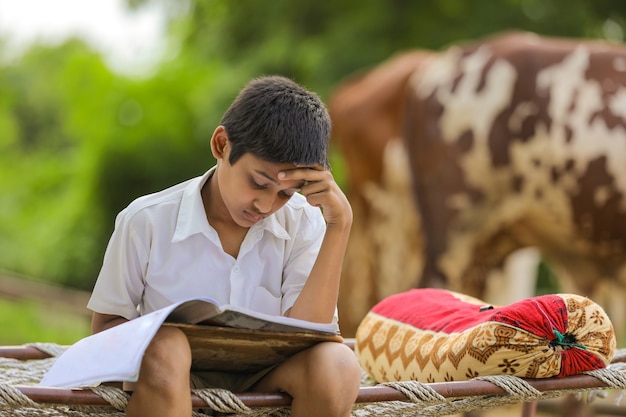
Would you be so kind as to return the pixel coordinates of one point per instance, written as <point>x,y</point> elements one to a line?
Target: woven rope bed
<point>21,368</point>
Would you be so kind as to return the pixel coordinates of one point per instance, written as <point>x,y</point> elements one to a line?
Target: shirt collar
<point>272,225</point>
<point>192,216</point>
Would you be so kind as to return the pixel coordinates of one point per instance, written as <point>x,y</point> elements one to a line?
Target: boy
<point>249,232</point>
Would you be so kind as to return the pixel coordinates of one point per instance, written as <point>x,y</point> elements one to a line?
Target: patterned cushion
<point>432,335</point>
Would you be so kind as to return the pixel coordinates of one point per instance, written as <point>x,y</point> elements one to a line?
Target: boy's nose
<point>264,203</point>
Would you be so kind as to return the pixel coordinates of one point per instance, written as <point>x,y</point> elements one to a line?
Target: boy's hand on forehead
<point>321,190</point>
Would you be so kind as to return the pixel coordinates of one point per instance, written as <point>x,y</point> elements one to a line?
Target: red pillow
<point>433,335</point>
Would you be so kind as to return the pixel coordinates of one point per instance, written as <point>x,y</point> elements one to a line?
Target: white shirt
<point>164,250</point>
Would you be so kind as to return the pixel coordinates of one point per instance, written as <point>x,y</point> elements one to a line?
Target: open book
<point>225,338</point>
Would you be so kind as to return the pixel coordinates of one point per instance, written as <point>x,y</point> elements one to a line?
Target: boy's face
<point>250,188</point>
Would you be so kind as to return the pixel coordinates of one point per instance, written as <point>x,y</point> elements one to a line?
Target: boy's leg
<point>162,388</point>
<point>323,381</point>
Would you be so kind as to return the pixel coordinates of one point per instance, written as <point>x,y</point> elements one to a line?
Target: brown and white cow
<point>544,162</point>
<point>516,141</point>
<point>384,255</point>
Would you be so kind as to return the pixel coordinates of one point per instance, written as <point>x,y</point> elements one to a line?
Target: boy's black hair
<point>277,120</point>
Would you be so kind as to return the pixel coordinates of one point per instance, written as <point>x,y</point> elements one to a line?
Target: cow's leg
<point>516,280</point>
<point>487,256</point>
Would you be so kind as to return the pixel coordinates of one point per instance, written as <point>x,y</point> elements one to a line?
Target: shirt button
<point>236,268</point>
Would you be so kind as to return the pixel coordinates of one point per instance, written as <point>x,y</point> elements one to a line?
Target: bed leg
<point>529,409</point>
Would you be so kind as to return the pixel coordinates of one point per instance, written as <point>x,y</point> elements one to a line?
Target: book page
<point>243,319</point>
<point>206,311</point>
<point>114,354</point>
<point>194,311</point>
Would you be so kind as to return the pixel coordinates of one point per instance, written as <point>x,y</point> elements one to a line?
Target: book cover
<point>230,338</point>
<point>230,349</point>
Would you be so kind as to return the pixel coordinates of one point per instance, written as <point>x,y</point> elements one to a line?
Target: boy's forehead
<point>273,178</point>
<point>269,169</point>
<point>272,171</point>
<point>249,162</point>
<point>275,167</point>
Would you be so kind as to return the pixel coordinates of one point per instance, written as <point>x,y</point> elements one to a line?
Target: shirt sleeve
<point>304,248</point>
<point>120,284</point>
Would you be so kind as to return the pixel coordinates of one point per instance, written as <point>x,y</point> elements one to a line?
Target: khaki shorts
<point>232,381</point>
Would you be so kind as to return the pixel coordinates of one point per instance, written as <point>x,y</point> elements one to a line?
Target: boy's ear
<point>219,142</point>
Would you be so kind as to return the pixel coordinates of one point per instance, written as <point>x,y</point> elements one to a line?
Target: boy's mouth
<point>252,216</point>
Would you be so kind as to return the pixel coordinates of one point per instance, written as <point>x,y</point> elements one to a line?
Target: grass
<point>26,321</point>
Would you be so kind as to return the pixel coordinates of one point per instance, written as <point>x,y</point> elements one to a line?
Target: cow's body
<point>368,113</point>
<point>368,118</point>
<point>520,141</point>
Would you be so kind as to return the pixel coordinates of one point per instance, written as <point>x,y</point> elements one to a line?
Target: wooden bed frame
<point>553,387</point>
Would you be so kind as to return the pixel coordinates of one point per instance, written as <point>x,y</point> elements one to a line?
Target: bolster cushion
<point>433,335</point>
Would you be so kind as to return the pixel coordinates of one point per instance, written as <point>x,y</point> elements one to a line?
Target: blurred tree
<point>52,100</point>
<point>79,142</point>
<point>318,43</point>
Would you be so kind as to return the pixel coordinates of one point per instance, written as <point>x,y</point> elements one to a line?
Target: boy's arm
<point>100,322</point>
<point>318,299</point>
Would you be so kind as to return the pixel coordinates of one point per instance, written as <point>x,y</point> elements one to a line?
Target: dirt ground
<point>612,405</point>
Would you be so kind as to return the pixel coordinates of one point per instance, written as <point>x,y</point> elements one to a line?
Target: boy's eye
<point>284,194</point>
<point>256,184</point>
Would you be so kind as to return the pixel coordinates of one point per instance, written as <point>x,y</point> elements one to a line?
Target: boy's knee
<point>167,359</point>
<point>336,376</point>
<point>323,380</point>
<point>336,364</point>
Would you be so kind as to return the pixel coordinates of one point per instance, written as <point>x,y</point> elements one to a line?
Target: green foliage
<point>78,142</point>
<point>39,163</point>
<point>320,42</point>
<point>547,281</point>
<point>27,322</point>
